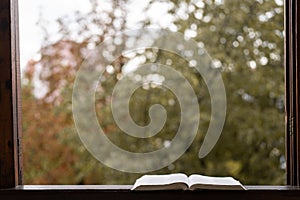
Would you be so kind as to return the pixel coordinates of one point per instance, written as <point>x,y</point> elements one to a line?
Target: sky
<point>30,11</point>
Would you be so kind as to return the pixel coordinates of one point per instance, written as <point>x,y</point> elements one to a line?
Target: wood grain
<point>292,101</point>
<point>123,192</point>
<point>9,95</point>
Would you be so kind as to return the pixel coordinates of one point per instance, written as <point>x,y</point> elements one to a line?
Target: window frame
<point>10,97</point>
<point>292,90</point>
<point>11,125</point>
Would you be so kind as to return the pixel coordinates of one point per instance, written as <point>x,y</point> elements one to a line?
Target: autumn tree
<point>245,42</point>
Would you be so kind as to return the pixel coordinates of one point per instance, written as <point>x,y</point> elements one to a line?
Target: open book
<point>183,182</point>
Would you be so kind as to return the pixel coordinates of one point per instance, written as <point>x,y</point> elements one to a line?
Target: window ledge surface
<point>123,192</point>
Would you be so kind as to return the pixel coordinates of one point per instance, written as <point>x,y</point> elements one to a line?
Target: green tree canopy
<point>245,42</point>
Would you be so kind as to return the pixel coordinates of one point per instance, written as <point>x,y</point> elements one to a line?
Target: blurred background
<point>245,41</point>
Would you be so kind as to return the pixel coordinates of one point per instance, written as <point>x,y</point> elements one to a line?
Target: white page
<point>161,180</point>
<point>209,180</point>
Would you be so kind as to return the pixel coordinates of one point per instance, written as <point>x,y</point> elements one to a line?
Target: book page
<point>161,180</point>
<point>209,182</point>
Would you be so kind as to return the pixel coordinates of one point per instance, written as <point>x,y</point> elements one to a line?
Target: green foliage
<point>245,41</point>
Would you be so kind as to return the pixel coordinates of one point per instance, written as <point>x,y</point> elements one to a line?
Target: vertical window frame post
<point>10,97</point>
<point>292,60</point>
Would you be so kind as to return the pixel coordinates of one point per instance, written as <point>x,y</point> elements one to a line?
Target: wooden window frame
<point>10,96</point>
<point>10,127</point>
<point>292,87</point>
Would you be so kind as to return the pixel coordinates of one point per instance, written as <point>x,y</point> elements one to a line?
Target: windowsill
<point>126,188</point>
<point>123,192</point>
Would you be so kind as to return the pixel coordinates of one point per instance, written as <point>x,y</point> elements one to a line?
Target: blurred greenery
<point>245,41</point>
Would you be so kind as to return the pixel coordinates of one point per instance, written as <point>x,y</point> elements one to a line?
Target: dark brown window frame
<point>292,61</point>
<point>10,127</point>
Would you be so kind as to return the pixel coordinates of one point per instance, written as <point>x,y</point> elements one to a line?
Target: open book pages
<point>161,182</point>
<point>183,182</point>
<point>208,182</point>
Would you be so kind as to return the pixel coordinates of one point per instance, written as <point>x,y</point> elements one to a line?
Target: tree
<point>245,38</point>
<point>245,41</point>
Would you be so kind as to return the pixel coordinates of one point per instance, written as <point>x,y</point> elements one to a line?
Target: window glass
<point>112,90</point>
